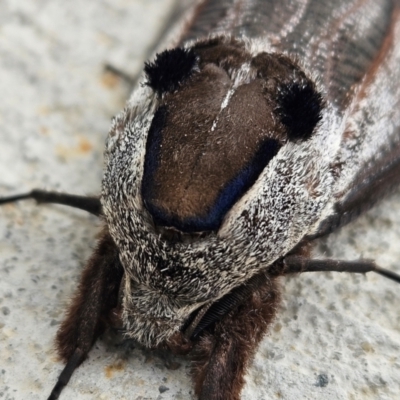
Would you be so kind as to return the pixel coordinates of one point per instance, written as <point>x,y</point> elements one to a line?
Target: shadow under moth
<point>265,126</point>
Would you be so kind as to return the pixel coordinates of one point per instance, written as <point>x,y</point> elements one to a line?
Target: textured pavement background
<point>336,336</point>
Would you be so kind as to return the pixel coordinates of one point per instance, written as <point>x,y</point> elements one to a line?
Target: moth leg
<point>221,357</point>
<point>86,318</point>
<point>296,264</point>
<point>86,203</point>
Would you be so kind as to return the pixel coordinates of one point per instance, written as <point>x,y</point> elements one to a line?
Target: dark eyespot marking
<point>170,69</point>
<point>299,108</point>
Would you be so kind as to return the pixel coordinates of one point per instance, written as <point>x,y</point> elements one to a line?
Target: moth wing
<point>368,163</point>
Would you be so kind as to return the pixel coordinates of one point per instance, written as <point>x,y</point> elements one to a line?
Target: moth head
<point>199,167</point>
<point>222,115</point>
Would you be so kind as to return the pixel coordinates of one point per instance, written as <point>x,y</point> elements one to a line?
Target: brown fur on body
<point>96,296</point>
<point>221,358</point>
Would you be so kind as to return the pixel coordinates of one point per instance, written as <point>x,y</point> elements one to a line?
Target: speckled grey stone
<point>55,106</point>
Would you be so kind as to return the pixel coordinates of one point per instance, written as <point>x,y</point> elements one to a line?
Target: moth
<point>266,126</point>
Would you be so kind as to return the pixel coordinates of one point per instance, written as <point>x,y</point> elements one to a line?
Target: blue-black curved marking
<point>151,161</point>
<point>227,197</point>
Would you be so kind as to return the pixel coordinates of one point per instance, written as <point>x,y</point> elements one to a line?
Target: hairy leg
<point>296,264</point>
<point>86,319</point>
<point>221,357</point>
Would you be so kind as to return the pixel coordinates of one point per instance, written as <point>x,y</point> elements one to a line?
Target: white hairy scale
<point>288,198</point>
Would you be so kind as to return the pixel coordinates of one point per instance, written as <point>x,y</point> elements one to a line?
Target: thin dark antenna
<point>86,203</point>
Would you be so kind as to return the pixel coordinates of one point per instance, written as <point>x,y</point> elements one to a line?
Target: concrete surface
<point>336,336</point>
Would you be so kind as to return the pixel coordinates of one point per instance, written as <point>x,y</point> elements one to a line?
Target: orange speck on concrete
<point>109,80</point>
<point>44,130</point>
<point>118,366</point>
<point>43,110</point>
<point>84,145</point>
